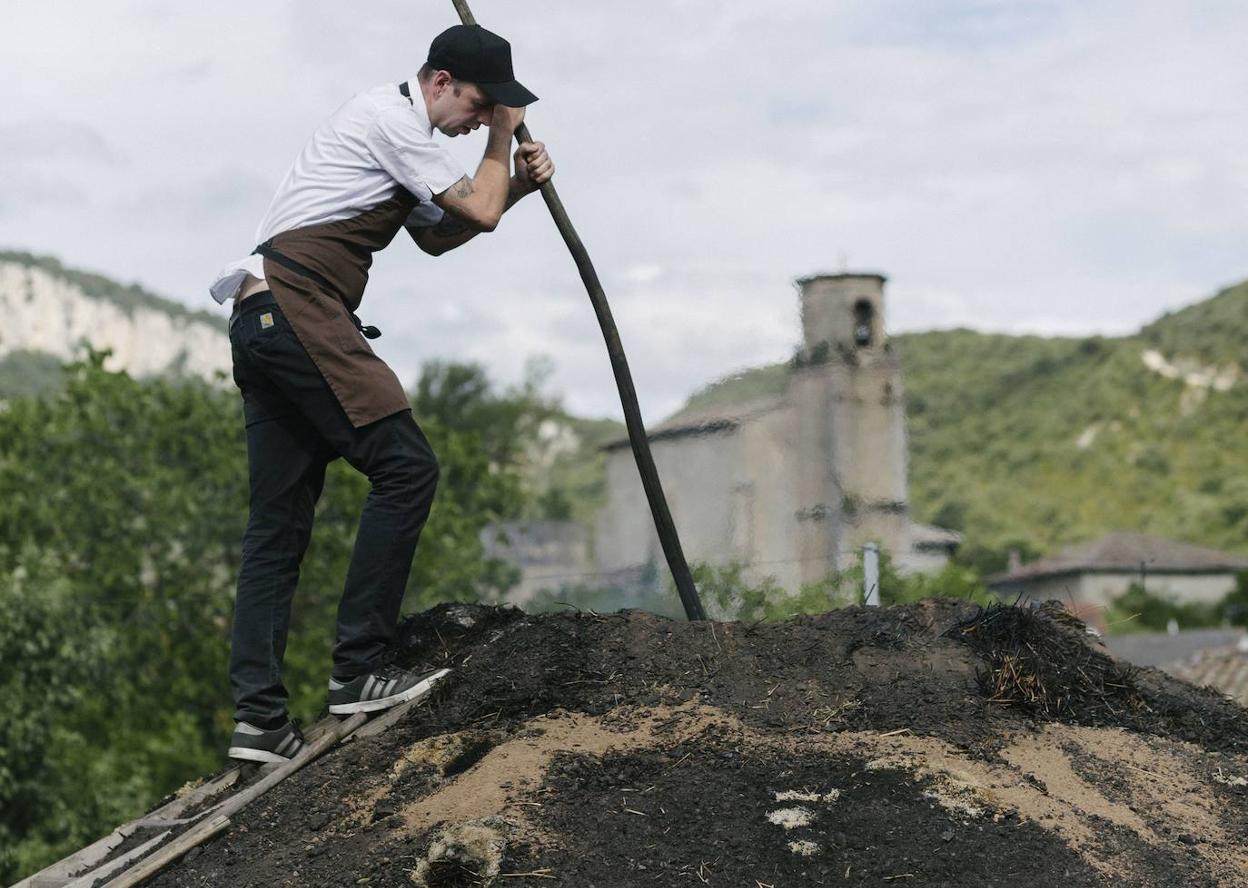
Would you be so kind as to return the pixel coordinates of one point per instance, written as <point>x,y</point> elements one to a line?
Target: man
<point>312,388</point>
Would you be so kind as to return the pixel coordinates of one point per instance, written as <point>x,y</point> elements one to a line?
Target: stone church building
<point>792,485</point>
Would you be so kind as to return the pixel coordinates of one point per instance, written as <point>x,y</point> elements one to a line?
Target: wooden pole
<point>663,523</point>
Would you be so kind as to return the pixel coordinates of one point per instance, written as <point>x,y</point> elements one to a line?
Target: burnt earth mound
<point>933,744</point>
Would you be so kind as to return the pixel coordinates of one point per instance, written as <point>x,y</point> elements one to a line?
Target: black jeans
<point>295,428</point>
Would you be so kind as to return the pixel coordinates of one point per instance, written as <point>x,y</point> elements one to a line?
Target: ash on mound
<point>934,744</point>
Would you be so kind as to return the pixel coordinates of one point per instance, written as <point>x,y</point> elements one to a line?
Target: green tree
<point>1233,609</point>
<point>122,508</point>
<point>727,594</point>
<point>1137,609</point>
<point>47,657</point>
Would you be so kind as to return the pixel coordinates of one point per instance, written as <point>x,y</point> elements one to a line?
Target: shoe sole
<point>417,690</point>
<point>247,754</point>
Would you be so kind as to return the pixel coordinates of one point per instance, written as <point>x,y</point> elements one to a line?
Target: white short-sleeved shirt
<point>374,144</point>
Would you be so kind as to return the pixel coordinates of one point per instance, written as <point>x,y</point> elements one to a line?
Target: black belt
<point>266,250</point>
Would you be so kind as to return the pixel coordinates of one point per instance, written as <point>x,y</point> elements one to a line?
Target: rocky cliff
<point>55,311</point>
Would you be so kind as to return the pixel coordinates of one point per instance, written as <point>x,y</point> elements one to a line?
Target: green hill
<point>1034,442</point>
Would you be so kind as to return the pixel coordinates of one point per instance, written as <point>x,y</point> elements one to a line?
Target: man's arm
<point>480,200</point>
<point>533,168</point>
<point>454,231</point>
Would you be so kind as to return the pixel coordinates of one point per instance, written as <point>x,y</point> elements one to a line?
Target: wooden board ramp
<point>176,831</point>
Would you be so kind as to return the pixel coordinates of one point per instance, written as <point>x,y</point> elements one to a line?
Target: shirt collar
<point>418,106</point>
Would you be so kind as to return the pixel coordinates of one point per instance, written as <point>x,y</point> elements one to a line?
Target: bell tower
<point>850,425</point>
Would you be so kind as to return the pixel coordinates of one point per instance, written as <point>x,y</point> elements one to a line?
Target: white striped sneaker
<point>252,744</point>
<point>382,689</point>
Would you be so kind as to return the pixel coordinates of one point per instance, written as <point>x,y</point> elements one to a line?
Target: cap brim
<point>511,94</point>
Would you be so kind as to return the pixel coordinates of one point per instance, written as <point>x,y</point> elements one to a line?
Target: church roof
<point>842,276</point>
<point>704,422</point>
<point>1124,552</point>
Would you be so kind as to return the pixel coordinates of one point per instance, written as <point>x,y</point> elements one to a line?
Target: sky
<point>1057,167</point>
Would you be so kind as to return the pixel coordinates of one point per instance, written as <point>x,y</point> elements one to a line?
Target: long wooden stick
<point>663,523</point>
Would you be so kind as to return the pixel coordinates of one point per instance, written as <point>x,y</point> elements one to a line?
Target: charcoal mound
<point>931,744</point>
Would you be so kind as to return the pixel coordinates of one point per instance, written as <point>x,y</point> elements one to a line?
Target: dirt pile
<point>934,744</point>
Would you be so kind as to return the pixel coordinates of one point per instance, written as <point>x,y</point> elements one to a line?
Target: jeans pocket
<point>265,329</point>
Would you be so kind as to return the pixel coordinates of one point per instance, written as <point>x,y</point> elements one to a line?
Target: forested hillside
<point>1030,442</point>
<point>1048,441</point>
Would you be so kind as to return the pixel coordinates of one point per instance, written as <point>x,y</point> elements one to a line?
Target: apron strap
<point>266,250</point>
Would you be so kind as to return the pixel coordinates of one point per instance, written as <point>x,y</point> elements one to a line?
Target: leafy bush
<point>1233,609</point>
<point>727,594</point>
<point>122,508</point>
<point>1137,610</point>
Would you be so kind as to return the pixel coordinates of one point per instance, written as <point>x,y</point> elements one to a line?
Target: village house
<point>1089,576</point>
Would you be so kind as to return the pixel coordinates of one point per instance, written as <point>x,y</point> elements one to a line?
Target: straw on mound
<point>1042,661</point>
<point>1036,660</point>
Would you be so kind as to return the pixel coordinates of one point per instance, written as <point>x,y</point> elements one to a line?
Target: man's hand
<point>507,119</point>
<point>533,166</point>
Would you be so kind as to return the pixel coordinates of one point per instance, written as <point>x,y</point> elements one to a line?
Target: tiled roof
<point>1225,668</point>
<point>1166,649</point>
<point>705,421</point>
<point>1127,552</point>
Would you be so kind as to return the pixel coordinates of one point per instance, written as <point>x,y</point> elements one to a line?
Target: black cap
<point>471,53</point>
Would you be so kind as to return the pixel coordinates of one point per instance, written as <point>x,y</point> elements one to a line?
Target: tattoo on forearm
<point>514,192</point>
<point>450,226</point>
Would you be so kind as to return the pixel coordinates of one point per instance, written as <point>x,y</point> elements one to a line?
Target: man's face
<point>458,107</point>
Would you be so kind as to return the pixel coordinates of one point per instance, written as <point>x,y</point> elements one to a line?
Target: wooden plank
<point>57,874</point>
<point>118,863</point>
<point>320,737</point>
<point>60,872</point>
<point>222,813</point>
<point>171,852</point>
<point>176,806</point>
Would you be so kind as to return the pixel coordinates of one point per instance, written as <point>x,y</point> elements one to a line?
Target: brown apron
<point>317,274</point>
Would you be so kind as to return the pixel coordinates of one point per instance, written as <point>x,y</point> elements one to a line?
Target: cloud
<point>51,140</point>
<point>1051,166</point>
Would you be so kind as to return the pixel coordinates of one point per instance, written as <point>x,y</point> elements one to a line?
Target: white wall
<point>1100,589</point>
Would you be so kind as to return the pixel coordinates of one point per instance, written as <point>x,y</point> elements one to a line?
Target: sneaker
<point>252,744</point>
<point>380,690</point>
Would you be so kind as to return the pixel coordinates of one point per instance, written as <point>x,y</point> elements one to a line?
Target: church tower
<point>849,426</point>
